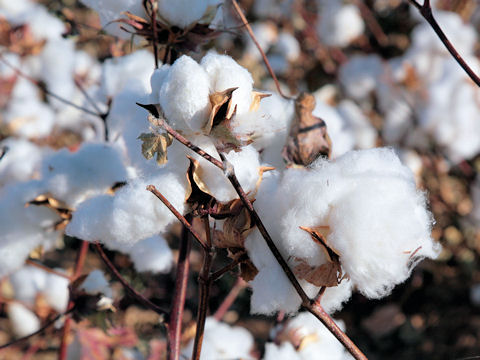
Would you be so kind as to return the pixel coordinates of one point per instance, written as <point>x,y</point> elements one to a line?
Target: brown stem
<point>180,292</point>
<point>46,268</point>
<point>254,39</point>
<point>372,23</point>
<point>154,6</point>
<point>426,12</point>
<point>230,174</point>
<point>230,299</point>
<point>204,282</point>
<point>219,273</point>
<point>79,262</point>
<point>39,331</point>
<point>179,216</point>
<point>134,293</point>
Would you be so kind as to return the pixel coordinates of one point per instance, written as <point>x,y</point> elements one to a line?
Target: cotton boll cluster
<point>222,341</point>
<point>187,12</point>
<point>23,320</point>
<point>304,337</point>
<point>369,211</point>
<point>333,17</point>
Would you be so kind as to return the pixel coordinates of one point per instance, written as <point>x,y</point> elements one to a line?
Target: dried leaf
<point>196,195</point>
<point>155,144</point>
<point>308,138</point>
<point>222,108</point>
<point>248,271</point>
<point>257,97</point>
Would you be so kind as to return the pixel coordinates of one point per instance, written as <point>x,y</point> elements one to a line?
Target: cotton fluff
<point>225,73</point>
<point>185,13</point>
<point>74,177</point>
<point>132,214</point>
<point>364,133</point>
<point>24,321</point>
<point>184,95</point>
<point>339,24</point>
<point>111,10</point>
<point>23,228</point>
<point>322,343</point>
<point>360,74</point>
<point>223,342</point>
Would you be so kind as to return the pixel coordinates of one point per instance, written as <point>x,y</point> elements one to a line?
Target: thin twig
<point>44,88</point>
<point>219,273</point>
<point>180,292</point>
<point>254,39</point>
<point>307,303</point>
<point>134,293</point>
<point>43,328</point>
<point>46,268</point>
<point>230,299</point>
<point>154,6</point>
<point>426,11</point>
<point>204,282</point>
<point>179,216</point>
<point>372,23</point>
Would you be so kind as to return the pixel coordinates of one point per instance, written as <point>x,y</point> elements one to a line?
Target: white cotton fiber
<point>225,73</point>
<point>132,214</point>
<point>360,74</point>
<point>110,10</point>
<point>29,119</point>
<point>185,13</point>
<point>24,321</point>
<point>27,282</point>
<point>131,71</point>
<point>184,95</point>
<point>364,133</point>
<point>152,254</point>
<point>339,24</point>
<point>223,342</point>
<point>56,292</point>
<point>74,177</point>
<point>285,351</point>
<point>96,284</point>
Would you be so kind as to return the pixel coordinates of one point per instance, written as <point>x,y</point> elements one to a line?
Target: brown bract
<point>308,138</point>
<point>19,39</point>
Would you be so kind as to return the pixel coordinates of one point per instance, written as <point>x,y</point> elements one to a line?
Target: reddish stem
<point>180,292</point>
<point>372,23</point>
<point>230,299</point>
<point>46,268</point>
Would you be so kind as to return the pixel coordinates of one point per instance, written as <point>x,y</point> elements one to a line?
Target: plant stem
<point>134,293</point>
<point>176,313</point>
<point>426,11</point>
<point>219,273</point>
<point>46,268</point>
<point>204,281</point>
<point>230,299</point>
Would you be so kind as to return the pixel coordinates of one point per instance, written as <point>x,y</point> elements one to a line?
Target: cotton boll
<point>184,95</point>
<point>111,10</point>
<point>222,342</point>
<point>95,284</point>
<point>339,24</point>
<point>185,12</point>
<point>132,214</point>
<point>27,282</point>
<point>288,46</point>
<point>285,351</point>
<point>272,8</point>
<point>152,254</point>
<point>156,81</point>
<point>56,292</point>
<point>24,321</point>
<point>21,160</point>
<point>43,25</point>
<point>74,177</point>
<point>363,131</point>
<point>360,74</point>
<point>30,119</point>
<point>225,73</point>
<point>23,228</point>
<point>131,71</point>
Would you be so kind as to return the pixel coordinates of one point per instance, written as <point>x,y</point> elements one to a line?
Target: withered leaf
<point>248,271</point>
<point>235,230</point>
<point>257,97</point>
<point>308,138</point>
<point>222,108</point>
<point>197,193</point>
<point>155,144</point>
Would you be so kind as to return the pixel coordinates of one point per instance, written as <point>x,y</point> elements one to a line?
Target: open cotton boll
<point>74,177</point>
<point>225,73</point>
<point>364,133</point>
<point>21,160</point>
<point>272,8</point>
<point>95,283</point>
<point>23,228</point>
<point>43,25</point>
<point>27,282</point>
<point>152,254</point>
<point>339,24</point>
<point>129,71</point>
<point>223,342</point>
<point>110,10</point>
<point>184,95</point>
<point>284,351</point>
<point>30,119</point>
<point>359,75</point>
<point>132,214</point>
<point>56,292</point>
<point>24,321</point>
<point>378,222</point>
<point>185,12</point>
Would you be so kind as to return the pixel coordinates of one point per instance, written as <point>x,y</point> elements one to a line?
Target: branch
<point>254,39</point>
<point>307,303</point>
<point>230,299</point>
<point>426,11</point>
<point>372,23</point>
<point>134,293</point>
<point>219,273</point>
<point>205,283</point>
<point>181,280</point>
<point>46,268</point>
<point>179,216</point>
